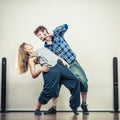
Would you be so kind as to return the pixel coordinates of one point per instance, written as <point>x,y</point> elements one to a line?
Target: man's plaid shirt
<point>59,45</point>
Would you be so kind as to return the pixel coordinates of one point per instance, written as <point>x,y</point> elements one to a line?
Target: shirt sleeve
<point>60,30</point>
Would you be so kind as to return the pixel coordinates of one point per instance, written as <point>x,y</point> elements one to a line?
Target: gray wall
<point>94,35</point>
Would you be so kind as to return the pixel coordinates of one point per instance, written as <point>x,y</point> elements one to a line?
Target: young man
<point>57,44</point>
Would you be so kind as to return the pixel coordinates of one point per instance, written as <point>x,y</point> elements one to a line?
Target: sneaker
<point>75,111</point>
<point>52,110</point>
<point>37,112</point>
<point>85,110</point>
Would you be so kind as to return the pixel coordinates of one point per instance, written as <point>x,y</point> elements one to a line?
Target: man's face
<point>42,35</point>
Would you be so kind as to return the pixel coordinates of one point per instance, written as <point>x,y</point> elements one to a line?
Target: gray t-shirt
<point>47,57</point>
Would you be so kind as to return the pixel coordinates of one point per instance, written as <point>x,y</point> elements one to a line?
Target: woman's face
<point>28,48</point>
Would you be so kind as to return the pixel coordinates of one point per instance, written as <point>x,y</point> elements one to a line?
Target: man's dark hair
<point>40,28</point>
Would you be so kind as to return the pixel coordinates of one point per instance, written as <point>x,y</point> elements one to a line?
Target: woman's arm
<point>35,73</point>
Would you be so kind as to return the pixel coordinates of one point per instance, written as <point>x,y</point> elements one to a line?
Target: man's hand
<point>48,35</point>
<point>65,63</point>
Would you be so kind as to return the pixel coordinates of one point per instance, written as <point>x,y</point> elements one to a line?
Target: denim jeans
<point>80,74</point>
<point>60,74</point>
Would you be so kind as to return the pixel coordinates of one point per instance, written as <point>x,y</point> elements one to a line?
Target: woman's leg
<point>51,85</point>
<point>73,84</point>
<point>38,107</point>
<point>52,110</point>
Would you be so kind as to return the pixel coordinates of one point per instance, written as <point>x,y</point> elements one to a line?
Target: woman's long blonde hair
<point>22,59</point>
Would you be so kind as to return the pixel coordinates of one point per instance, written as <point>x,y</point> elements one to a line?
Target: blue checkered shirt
<point>59,45</point>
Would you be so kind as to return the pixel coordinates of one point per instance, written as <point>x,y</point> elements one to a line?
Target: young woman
<point>55,72</point>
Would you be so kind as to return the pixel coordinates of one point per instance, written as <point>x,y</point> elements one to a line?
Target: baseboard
<point>6,111</point>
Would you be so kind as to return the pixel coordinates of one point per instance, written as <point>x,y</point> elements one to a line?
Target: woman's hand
<point>44,69</point>
<point>36,73</point>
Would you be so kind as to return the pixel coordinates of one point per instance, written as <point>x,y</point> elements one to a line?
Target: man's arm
<point>63,61</point>
<point>61,29</point>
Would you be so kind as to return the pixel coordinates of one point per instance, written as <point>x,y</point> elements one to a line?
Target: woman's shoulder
<point>32,59</point>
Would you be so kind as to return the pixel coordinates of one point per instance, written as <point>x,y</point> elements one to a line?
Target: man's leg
<point>84,89</point>
<point>84,96</point>
<point>84,105</point>
<point>80,74</point>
